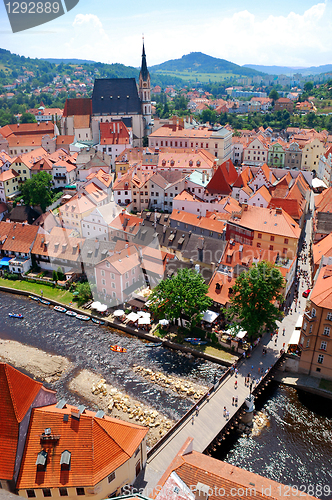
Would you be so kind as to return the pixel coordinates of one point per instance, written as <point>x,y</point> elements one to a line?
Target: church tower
<point>145,93</point>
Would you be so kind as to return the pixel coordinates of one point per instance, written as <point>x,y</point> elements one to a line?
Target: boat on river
<point>154,344</point>
<point>82,317</point>
<point>45,302</point>
<point>15,315</point>
<point>60,309</point>
<point>37,299</point>
<point>195,341</point>
<point>71,313</point>
<point>98,321</point>
<point>117,348</point>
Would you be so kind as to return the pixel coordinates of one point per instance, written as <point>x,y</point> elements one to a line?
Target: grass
<point>325,384</point>
<point>57,294</point>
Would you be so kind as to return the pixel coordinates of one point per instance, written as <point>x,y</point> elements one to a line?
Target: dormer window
<point>41,461</point>
<point>65,460</point>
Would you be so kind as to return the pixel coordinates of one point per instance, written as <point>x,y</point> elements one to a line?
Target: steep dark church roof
<point>115,96</point>
<point>144,68</point>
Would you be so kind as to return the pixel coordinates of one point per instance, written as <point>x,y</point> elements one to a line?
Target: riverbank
<point>48,368</point>
<point>210,354</point>
<point>306,383</point>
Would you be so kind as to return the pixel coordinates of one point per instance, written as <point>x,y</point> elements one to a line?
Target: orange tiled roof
<point>321,294</point>
<point>220,295</point>
<point>265,220</point>
<point>20,237</point>
<point>98,446</point>
<point>322,248</point>
<point>17,393</point>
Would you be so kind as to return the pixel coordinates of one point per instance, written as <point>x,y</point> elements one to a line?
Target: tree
<point>254,296</point>
<point>84,292</point>
<point>28,118</point>
<point>308,86</point>
<point>38,190</point>
<point>185,294</point>
<point>274,95</point>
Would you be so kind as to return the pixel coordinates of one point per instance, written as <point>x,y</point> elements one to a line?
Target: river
<point>295,448</point>
<point>87,345</point>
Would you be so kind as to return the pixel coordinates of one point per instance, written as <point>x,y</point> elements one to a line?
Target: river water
<point>87,345</point>
<point>295,448</point>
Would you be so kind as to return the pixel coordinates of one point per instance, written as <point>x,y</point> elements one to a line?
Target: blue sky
<point>291,33</point>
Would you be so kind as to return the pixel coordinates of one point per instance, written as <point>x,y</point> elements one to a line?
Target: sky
<point>295,33</point>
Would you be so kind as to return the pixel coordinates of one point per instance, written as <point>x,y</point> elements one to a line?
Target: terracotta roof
<point>81,121</point>
<point>20,237</point>
<point>289,205</point>
<point>322,248</point>
<point>263,192</point>
<point>222,294</point>
<point>321,294</point>
<point>58,244</point>
<point>8,175</point>
<point>32,157</point>
<point>78,106</point>
<point>98,446</point>
<point>218,184</point>
<point>17,393</point>
<point>269,221</point>
<point>114,133</point>
<point>22,129</point>
<point>102,176</point>
<point>78,204</point>
<point>248,254</point>
<point>192,467</point>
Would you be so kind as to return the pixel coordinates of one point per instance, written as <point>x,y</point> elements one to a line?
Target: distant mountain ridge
<point>201,63</point>
<point>67,61</point>
<point>288,70</point>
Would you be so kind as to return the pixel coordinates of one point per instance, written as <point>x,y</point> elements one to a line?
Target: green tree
<point>185,294</point>
<point>308,86</point>
<point>60,274</point>
<point>28,118</point>
<point>84,292</point>
<point>254,296</point>
<point>274,95</point>
<point>38,190</point>
<point>54,276</point>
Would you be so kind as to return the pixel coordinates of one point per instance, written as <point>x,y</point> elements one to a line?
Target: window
<point>286,241</point>
<point>114,295</point>
<point>308,342</point>
<point>258,245</point>
<point>31,493</point>
<point>103,273</point>
<point>112,276</point>
<point>259,236</point>
<point>80,491</point>
<point>113,285</point>
<point>271,247</point>
<point>63,492</point>
<point>323,345</point>
<point>310,329</point>
<point>133,271</point>
<point>329,316</point>
<point>126,276</point>
<point>326,331</point>
<point>103,282</point>
<point>271,238</point>
<point>320,359</point>
<point>111,477</point>
<point>304,326</point>
<point>313,312</point>
<point>284,250</point>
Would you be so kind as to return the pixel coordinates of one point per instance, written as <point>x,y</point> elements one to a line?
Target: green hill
<point>197,62</point>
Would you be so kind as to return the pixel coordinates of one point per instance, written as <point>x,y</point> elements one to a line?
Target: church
<point>113,99</point>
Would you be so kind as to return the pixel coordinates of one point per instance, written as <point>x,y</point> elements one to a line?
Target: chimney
<point>96,244</point>
<point>278,210</point>
<point>203,491</point>
<point>245,207</point>
<point>213,266</point>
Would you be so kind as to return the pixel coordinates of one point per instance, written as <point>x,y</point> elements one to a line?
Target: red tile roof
<point>321,294</point>
<point>80,106</point>
<point>17,393</point>
<point>20,237</point>
<point>223,479</point>
<point>98,446</point>
<point>218,185</point>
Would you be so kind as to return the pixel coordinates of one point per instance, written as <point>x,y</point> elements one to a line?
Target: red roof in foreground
<point>98,446</point>
<point>222,480</point>
<point>17,393</point>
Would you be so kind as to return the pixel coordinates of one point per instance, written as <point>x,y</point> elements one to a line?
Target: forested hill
<point>202,63</point>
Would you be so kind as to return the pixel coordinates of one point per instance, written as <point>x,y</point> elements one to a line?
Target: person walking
<point>225,411</point>
<point>236,372</point>
<point>235,385</point>
<point>227,415</point>
<point>236,400</point>
<point>283,331</point>
<point>233,400</point>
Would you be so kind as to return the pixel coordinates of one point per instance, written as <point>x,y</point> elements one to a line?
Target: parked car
<point>306,293</point>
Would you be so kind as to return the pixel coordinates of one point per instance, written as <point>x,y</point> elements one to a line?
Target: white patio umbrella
<point>132,316</point>
<point>144,321</point>
<point>102,308</point>
<point>164,322</point>
<point>119,312</point>
<point>95,305</point>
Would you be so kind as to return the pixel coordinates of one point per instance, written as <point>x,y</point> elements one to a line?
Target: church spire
<point>144,68</point>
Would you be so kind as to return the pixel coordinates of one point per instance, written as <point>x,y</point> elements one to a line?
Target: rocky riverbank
<point>91,386</point>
